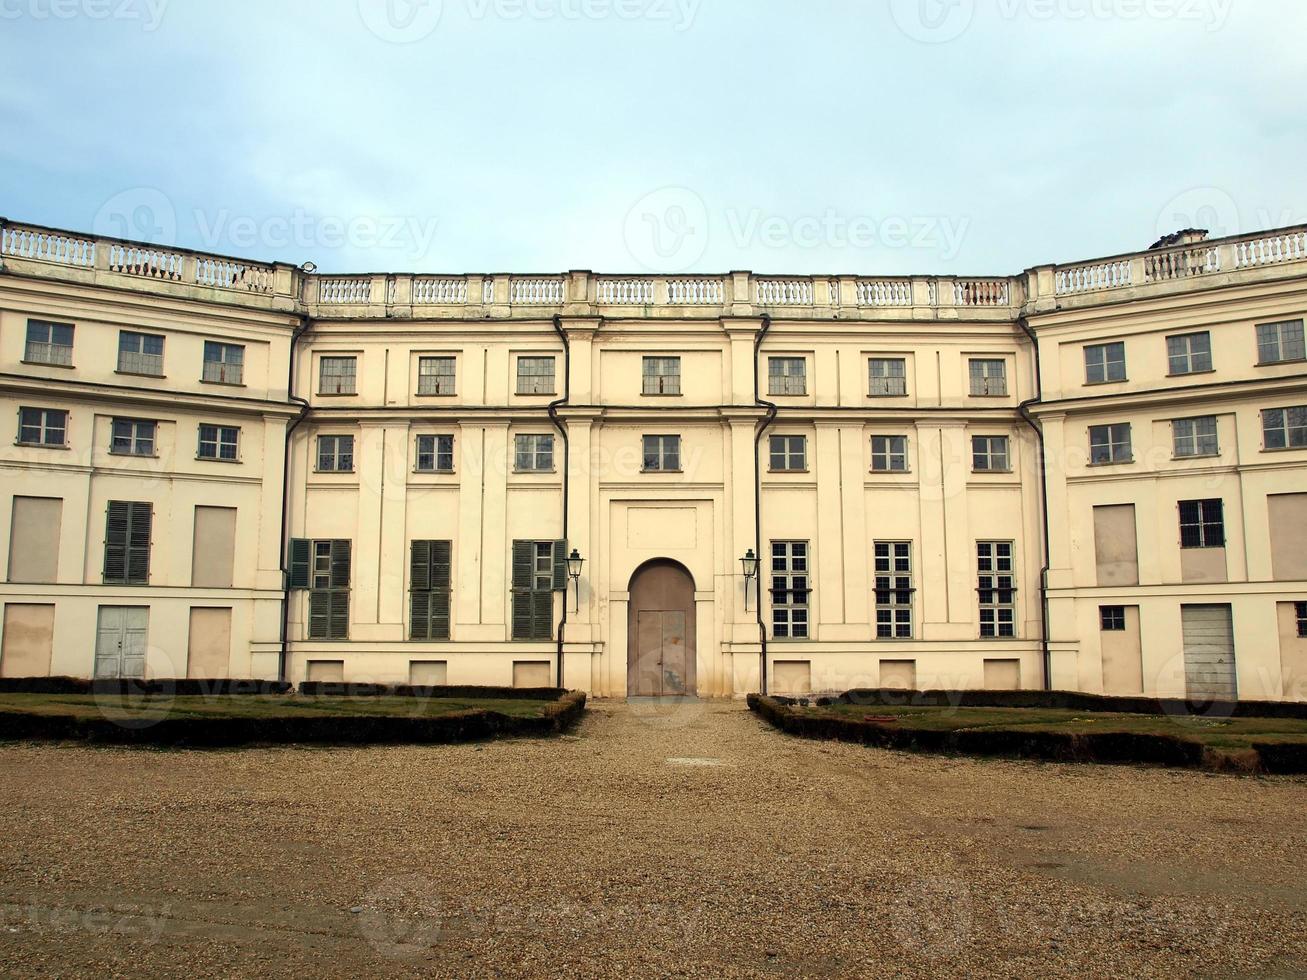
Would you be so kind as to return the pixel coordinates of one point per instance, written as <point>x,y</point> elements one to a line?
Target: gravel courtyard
<point>657,840</point>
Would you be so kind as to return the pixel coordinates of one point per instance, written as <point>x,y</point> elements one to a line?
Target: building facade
<point>1090,476</point>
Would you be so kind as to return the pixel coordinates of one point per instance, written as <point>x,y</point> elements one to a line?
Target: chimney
<point>1186,237</point>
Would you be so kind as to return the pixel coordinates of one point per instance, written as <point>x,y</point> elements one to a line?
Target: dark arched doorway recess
<point>660,647</point>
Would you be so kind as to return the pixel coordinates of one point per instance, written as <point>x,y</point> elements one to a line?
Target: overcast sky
<point>805,136</point>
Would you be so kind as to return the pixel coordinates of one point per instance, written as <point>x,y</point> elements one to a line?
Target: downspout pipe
<point>553,408</point>
<point>772,410</point>
<point>1024,409</point>
<point>291,397</point>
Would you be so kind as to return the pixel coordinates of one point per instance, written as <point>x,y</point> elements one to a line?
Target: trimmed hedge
<point>182,687</point>
<point>332,689</point>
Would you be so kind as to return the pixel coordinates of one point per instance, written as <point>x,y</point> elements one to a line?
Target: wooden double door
<point>661,632</point>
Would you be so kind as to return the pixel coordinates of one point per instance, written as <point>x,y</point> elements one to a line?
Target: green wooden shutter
<point>441,573</point>
<point>542,615</point>
<point>523,564</point>
<point>560,566</point>
<point>300,550</point>
<point>338,628</point>
<point>419,610</point>
<point>139,525</point>
<point>319,615</point>
<point>419,566</point>
<point>115,542</point>
<point>340,558</point>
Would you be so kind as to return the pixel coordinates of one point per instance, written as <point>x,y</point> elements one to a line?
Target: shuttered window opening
<point>323,567</point>
<point>539,570</point>
<point>429,590</point>
<point>127,542</point>
<point>1202,524</point>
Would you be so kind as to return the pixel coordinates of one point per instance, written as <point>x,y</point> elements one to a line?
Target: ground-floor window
<point>893,590</point>
<point>997,589</point>
<point>1301,609</point>
<point>539,570</point>
<point>429,594</point>
<point>1111,618</point>
<point>789,591</point>
<point>323,567</point>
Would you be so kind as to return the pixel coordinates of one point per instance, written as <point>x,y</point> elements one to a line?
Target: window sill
<point>216,459</point>
<point>1284,449</point>
<point>518,472</point>
<point>338,394</point>
<point>435,394</point>
<point>223,384</point>
<point>876,394</point>
<point>1288,360</point>
<point>656,472</point>
<point>796,472</point>
<point>1108,462</point>
<point>134,455</point>
<point>890,472</point>
<point>536,394</point>
<point>1106,381</point>
<point>42,445</point>
<point>418,472</point>
<point>139,374</point>
<point>1186,374</point>
<point>66,367</point>
<point>1177,459</point>
<point>660,394</point>
<point>334,472</point>
<point>787,394</point>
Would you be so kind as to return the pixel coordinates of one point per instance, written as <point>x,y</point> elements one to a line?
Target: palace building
<point>1088,477</point>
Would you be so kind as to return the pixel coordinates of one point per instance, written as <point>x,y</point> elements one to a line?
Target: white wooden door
<point>120,641</point>
<point>1209,652</point>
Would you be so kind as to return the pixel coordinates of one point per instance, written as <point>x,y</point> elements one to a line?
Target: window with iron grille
<point>1195,437</point>
<point>49,343</point>
<point>539,570</point>
<point>42,427</point>
<point>1280,342</point>
<point>1285,428</point>
<point>219,442</point>
<point>224,364</point>
<point>436,375</point>
<point>127,542</point>
<point>533,454</point>
<point>338,376</point>
<point>662,376</point>
<point>789,590</point>
<point>1202,524</point>
<point>1110,444</point>
<point>789,454</point>
<point>535,376</point>
<point>1112,618</point>
<point>1104,362</point>
<point>889,454</point>
<point>662,454</point>
<point>335,454</point>
<point>1300,611</point>
<point>997,590</point>
<point>787,376</point>
<point>429,590</point>
<point>889,376</point>
<point>1190,353</point>
<point>988,377</point>
<point>133,437</point>
<point>435,454</point>
<point>323,568</point>
<point>989,454</point>
<point>140,353</point>
<point>893,566</point>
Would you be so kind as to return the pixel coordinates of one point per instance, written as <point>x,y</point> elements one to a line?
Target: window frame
<point>793,578</point>
<point>1188,354</point>
<point>887,380</point>
<point>1300,614</point>
<point>1283,337</point>
<point>982,382</point>
<point>660,384</point>
<point>782,383</point>
<point>134,437</point>
<point>430,590</point>
<point>222,348</point>
<point>1111,619</point>
<point>50,345</point>
<point>142,341</point>
<point>786,453</point>
<point>524,387</point>
<point>989,455</point>
<point>1112,443</point>
<point>446,381</point>
<point>351,375</point>
<point>327,569</point>
<point>894,600</point>
<point>1286,426</point>
<point>43,428</point>
<point>1105,363</point>
<point>336,453</point>
<point>442,445</point>
<point>990,583</point>
<point>1202,527</point>
<point>133,553</point>
<point>889,454</point>
<point>538,569</point>
<point>1193,433</point>
<point>661,455</point>
<point>218,442</point>
<point>535,454</point>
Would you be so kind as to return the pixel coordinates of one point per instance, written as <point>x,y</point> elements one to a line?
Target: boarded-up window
<point>532,674</point>
<point>428,673</point>
<point>28,640</point>
<point>1288,520</point>
<point>213,552</point>
<point>325,671</point>
<point>1002,675</point>
<point>34,539</point>
<point>1123,665</point>
<point>429,590</point>
<point>898,674</point>
<point>792,677</point>
<point>209,647</point>
<point>1116,548</point>
<point>127,543</point>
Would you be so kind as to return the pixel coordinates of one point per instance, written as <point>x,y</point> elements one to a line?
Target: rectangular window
<point>662,454</point>
<point>787,376</point>
<point>789,454</point>
<point>436,375</point>
<point>1280,342</point>
<point>889,377</point>
<point>1202,524</point>
<point>535,376</point>
<point>539,570</point>
<point>1104,362</point>
<point>219,442</point>
<point>997,589</point>
<point>889,454</point>
<point>49,343</point>
<point>1110,444</point>
<point>1300,611</point>
<point>323,568</point>
<point>988,377</point>
<point>127,543</point>
<point>1112,618</point>
<point>989,454</point>
<point>1195,437</point>
<point>224,364</point>
<point>435,454</point>
<point>1190,353</point>
<point>1285,428</point>
<point>335,454</point>
<point>140,353</point>
<point>893,561</point>
<point>429,590</point>
<point>42,427</point>
<point>662,375</point>
<point>789,589</point>
<point>338,376</point>
<point>133,437</point>
<point>533,454</point>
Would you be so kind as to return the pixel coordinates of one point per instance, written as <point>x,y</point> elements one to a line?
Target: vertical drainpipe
<point>772,409</point>
<point>1024,409</point>
<point>285,499</point>
<point>567,454</point>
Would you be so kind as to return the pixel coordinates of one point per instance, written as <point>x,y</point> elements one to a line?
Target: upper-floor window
<point>535,376</point>
<point>533,454</point>
<point>1195,437</point>
<point>988,377</point>
<point>49,343</point>
<point>224,364</point>
<point>1285,428</point>
<point>789,454</point>
<point>539,570</point>
<point>1104,362</point>
<point>436,375</point>
<point>1190,353</point>
<point>335,454</point>
<point>42,427</point>
<point>435,454</point>
<point>220,442</point>
<point>338,376</point>
<point>323,567</point>
<point>889,454</point>
<point>1202,524</point>
<point>787,376</point>
<point>133,437</point>
<point>989,454</point>
<point>888,377</point>
<point>662,454</point>
<point>1280,342</point>
<point>1110,444</point>
<point>662,376</point>
<point>127,530</point>
<point>140,353</point>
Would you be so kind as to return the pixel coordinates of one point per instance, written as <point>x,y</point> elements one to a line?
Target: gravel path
<point>657,840</point>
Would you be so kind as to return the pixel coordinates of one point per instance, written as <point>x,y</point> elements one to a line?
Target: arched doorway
<point>660,647</point>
